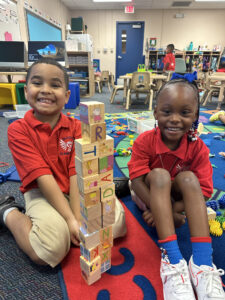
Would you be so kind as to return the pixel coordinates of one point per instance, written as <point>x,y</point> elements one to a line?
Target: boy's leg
<point>42,233</point>
<point>119,227</point>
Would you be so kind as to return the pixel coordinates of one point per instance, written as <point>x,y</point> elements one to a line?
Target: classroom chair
<point>74,99</point>
<point>180,65</point>
<point>102,79</point>
<point>140,83</point>
<point>8,94</point>
<point>20,93</point>
<point>116,87</point>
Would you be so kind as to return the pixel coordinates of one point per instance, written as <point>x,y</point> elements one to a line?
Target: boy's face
<point>46,91</point>
<point>176,110</point>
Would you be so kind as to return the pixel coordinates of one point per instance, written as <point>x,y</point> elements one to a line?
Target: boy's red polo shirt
<point>169,58</point>
<point>38,150</point>
<point>193,156</point>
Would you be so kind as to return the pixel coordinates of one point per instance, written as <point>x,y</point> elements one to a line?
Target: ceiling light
<point>209,0</point>
<point>112,0</point>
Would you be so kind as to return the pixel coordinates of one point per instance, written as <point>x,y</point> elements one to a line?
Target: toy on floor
<point>94,166</point>
<point>222,154</point>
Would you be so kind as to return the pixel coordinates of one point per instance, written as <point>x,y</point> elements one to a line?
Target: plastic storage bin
<point>74,99</point>
<point>134,121</point>
<point>20,93</point>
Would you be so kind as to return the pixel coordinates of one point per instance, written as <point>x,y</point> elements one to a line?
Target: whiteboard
<point>9,21</point>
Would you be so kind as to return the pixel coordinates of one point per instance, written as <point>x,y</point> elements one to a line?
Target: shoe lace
<point>179,276</point>
<point>213,281</point>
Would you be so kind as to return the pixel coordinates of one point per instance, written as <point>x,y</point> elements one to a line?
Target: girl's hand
<point>148,217</point>
<point>74,231</point>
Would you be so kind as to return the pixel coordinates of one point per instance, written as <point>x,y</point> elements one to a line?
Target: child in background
<point>169,59</point>
<point>42,145</point>
<point>170,174</point>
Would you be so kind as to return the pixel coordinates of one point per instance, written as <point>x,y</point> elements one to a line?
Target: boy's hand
<point>74,231</point>
<point>148,217</point>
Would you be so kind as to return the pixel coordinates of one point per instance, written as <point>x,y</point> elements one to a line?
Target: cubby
<point>80,63</point>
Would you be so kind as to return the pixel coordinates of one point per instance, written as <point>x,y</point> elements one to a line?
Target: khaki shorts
<point>49,235</point>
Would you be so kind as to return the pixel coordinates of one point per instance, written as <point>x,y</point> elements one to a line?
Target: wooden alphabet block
<point>91,278</point>
<point>92,225</point>
<point>90,267</point>
<point>105,178</point>
<point>89,240</point>
<point>107,192</point>
<point>87,184</point>
<point>91,254</point>
<point>91,212</point>
<point>105,266</point>
<point>108,219</point>
<point>108,206</point>
<point>105,254</point>
<point>211,213</point>
<point>106,147</point>
<point>92,112</point>
<point>105,163</point>
<point>106,237</point>
<point>91,198</point>
<point>86,151</point>
<point>94,132</point>
<point>86,168</point>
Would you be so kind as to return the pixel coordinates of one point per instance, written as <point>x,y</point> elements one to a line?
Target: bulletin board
<point>9,21</point>
<point>41,30</point>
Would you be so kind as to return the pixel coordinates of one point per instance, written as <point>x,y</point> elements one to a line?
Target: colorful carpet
<point>136,258</point>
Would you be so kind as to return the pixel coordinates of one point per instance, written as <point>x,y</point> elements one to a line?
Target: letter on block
<point>94,132</point>
<point>107,192</point>
<point>89,240</point>
<point>86,151</point>
<point>106,147</point>
<point>90,198</point>
<point>105,254</point>
<point>106,237</point>
<point>86,168</point>
<point>91,254</point>
<point>106,163</point>
<point>105,178</point>
<point>92,225</point>
<point>91,212</point>
<point>87,184</point>
<point>105,266</point>
<point>92,112</point>
<point>108,206</point>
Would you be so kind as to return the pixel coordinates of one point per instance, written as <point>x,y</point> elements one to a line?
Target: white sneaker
<point>206,281</point>
<point>176,280</point>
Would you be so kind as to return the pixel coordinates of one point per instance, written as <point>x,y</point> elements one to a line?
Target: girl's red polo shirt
<point>193,156</point>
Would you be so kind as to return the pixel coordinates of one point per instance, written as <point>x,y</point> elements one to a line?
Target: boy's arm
<point>55,197</point>
<point>75,197</point>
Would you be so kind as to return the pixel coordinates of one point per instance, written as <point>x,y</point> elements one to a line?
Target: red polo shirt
<point>169,58</point>
<point>193,156</point>
<point>38,150</point>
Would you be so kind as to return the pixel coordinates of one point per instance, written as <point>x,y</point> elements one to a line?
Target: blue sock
<point>173,251</point>
<point>202,250</point>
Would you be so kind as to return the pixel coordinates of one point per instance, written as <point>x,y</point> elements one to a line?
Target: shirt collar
<point>162,148</point>
<point>33,122</point>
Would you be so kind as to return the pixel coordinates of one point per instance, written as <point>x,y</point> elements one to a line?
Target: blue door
<point>129,46</point>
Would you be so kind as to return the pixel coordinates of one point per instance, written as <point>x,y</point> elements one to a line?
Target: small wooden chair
<point>209,87</point>
<point>115,89</point>
<point>140,83</point>
<point>103,78</point>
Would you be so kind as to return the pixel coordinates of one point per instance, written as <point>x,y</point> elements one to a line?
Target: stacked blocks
<point>94,166</point>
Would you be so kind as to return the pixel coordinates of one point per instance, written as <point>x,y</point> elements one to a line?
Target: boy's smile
<point>46,91</point>
<point>176,110</point>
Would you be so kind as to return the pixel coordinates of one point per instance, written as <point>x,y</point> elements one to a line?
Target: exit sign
<point>129,9</point>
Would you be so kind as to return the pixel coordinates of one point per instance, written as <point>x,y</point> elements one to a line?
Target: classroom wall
<point>199,26</point>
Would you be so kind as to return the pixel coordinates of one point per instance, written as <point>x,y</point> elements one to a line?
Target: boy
<point>42,145</point>
<point>169,59</point>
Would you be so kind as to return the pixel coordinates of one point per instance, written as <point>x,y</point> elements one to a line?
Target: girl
<point>171,173</point>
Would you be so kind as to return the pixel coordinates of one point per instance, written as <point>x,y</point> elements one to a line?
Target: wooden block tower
<point>94,166</point>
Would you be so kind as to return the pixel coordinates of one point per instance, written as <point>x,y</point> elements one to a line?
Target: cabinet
<point>80,63</point>
<point>195,60</point>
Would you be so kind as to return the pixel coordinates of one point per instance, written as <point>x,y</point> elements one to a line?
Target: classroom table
<point>159,78</point>
<point>9,74</point>
<point>220,77</point>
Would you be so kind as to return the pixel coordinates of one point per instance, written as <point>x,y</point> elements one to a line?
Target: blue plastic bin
<point>74,99</point>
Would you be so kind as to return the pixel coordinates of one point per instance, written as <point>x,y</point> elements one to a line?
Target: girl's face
<point>46,91</point>
<point>176,110</point>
